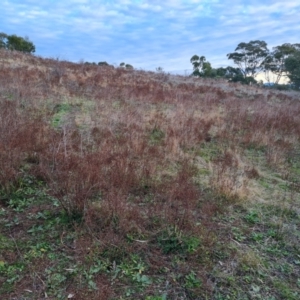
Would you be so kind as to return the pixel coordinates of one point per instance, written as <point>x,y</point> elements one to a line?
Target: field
<point>127,184</point>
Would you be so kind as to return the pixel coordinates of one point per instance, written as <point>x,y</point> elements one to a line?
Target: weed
<point>27,192</point>
<point>264,183</point>
<point>257,236</point>
<point>134,269</point>
<point>238,234</point>
<point>163,297</point>
<point>173,241</point>
<point>191,281</point>
<point>285,292</point>
<point>252,217</point>
<point>12,273</point>
<point>60,114</point>
<point>250,261</point>
<point>54,282</point>
<point>156,135</point>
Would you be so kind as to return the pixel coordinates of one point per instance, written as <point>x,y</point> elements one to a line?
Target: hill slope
<point>126,184</point>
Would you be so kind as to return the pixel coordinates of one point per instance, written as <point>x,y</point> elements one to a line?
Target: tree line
<point>253,58</point>
<point>104,63</point>
<point>250,59</point>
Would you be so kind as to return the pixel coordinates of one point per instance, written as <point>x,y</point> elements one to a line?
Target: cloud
<point>148,33</point>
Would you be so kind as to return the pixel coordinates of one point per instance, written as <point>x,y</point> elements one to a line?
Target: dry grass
<point>145,164</point>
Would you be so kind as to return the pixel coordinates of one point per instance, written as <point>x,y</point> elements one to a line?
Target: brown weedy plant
<point>126,184</point>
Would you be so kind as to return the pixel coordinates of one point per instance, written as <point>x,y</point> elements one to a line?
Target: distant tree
<point>197,63</point>
<point>292,67</point>
<point>244,80</point>
<point>201,67</point>
<point>126,66</point>
<point>249,57</point>
<point>220,72</point>
<point>275,62</point>
<point>236,75</point>
<point>14,42</point>
<point>3,39</point>
<point>207,69</point>
<point>103,63</point>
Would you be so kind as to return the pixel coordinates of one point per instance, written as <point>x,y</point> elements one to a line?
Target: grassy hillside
<point>126,184</point>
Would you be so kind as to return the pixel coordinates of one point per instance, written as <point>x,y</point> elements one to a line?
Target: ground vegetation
<point>117,183</point>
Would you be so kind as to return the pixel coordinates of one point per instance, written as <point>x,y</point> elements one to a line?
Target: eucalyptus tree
<point>292,67</point>
<point>3,39</point>
<point>236,75</point>
<point>250,57</point>
<point>275,62</point>
<point>201,67</point>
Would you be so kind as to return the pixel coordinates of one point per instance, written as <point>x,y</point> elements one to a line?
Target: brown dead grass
<point>123,153</point>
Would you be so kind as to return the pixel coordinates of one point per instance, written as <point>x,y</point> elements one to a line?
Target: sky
<point>149,34</point>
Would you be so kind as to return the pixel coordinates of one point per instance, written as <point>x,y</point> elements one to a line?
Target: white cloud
<point>149,33</point>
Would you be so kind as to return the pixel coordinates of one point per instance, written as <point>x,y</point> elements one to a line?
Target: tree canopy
<point>249,57</point>
<point>3,38</point>
<point>275,62</point>
<point>103,63</point>
<point>201,67</point>
<point>126,66</point>
<point>292,66</point>
<point>252,58</point>
<point>14,42</point>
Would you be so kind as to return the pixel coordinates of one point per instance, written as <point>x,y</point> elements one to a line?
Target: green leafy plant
<point>252,217</point>
<point>163,297</point>
<point>191,281</point>
<point>156,135</point>
<point>60,113</point>
<point>134,269</point>
<point>173,241</point>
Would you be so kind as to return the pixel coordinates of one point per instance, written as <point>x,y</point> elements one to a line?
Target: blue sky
<point>149,34</point>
